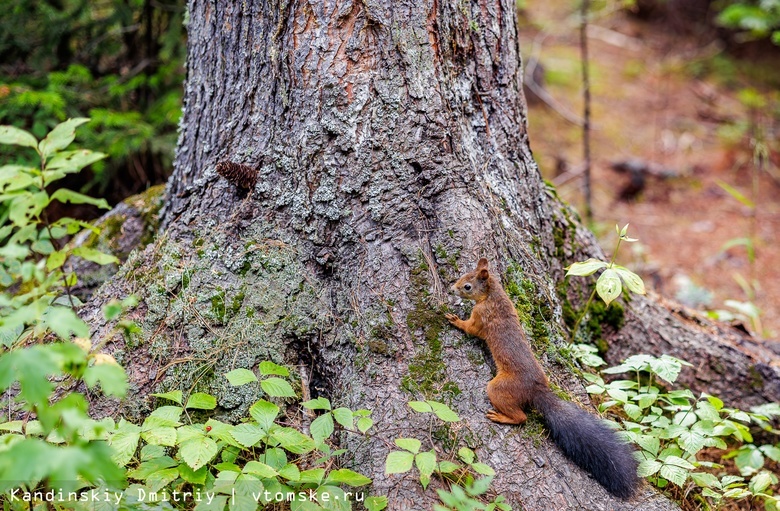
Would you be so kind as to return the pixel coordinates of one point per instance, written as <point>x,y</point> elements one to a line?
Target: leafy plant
<point>118,62</point>
<point>52,437</point>
<point>243,465</point>
<point>757,19</point>
<point>609,284</point>
<point>675,430</point>
<point>462,473</point>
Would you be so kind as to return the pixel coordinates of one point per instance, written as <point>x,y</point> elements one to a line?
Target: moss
<point>600,315</point>
<point>379,347</point>
<point>532,309</point>
<point>445,437</point>
<point>218,305</point>
<point>427,371</point>
<point>235,304</point>
<point>534,429</point>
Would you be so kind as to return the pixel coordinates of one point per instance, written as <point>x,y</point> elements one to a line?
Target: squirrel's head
<point>474,285</point>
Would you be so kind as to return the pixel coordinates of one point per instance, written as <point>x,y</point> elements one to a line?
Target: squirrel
<point>520,382</point>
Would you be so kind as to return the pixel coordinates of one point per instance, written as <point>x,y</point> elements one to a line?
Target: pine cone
<point>240,175</point>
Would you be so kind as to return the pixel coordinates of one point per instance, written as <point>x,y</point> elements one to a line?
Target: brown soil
<point>678,103</point>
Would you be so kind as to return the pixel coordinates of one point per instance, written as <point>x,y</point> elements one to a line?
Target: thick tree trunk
<point>392,151</point>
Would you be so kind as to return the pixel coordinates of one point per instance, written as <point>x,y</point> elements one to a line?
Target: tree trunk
<point>392,152</point>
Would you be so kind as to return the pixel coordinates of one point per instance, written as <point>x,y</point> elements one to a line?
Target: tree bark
<point>392,152</point>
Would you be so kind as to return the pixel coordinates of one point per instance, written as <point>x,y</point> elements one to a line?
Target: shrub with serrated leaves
<point>44,345</point>
<point>461,470</point>
<point>674,429</point>
<point>243,466</point>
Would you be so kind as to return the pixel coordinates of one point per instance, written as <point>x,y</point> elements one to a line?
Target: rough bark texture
<point>392,152</point>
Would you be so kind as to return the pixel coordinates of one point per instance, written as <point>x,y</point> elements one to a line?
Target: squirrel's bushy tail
<point>589,443</point>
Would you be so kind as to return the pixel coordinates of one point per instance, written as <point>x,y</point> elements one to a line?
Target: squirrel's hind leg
<point>501,395</point>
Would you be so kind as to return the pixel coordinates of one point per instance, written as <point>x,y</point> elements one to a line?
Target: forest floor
<point>683,106</point>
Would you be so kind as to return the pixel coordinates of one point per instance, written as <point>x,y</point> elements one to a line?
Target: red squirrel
<point>520,382</point>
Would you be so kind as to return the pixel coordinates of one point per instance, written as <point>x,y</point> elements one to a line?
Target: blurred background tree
<point>119,62</point>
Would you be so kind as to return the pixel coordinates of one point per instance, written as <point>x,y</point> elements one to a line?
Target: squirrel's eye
<point>467,287</point>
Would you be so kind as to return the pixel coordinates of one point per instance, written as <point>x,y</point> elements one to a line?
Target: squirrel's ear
<point>482,263</point>
<point>482,274</point>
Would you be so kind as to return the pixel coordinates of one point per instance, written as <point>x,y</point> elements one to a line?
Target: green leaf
<point>112,379</point>
<point>193,476</point>
<point>674,474</point>
<point>166,416</point>
<point>220,431</point>
<point>322,427</point>
<point>148,468</point>
<point>64,322</point>
<point>481,468</point>
<point>188,432</point>
<point>466,455</point>
<point>749,460</point>
<point>218,503</point>
<point>772,452</point>
<point>344,417</point>
<point>201,401</point>
<point>259,469</point>
<point>608,286</point>
<point>399,462</point>
<point>648,467</point>
<point>426,463</point>
<point>124,442</point>
<point>238,377</point>
<point>293,440</point>
<point>314,475</point>
<point>691,441</point>
<point>275,457</point>
<point>65,195</point>
<point>364,424</point>
<point>348,477</point>
<point>164,435</point>
<point>174,395</point>
<point>277,387</point>
<point>317,404</point>
<point>26,206</point>
<point>264,413</point>
<point>60,137</point>
<point>669,369</point>
<point>420,406</point>
<point>248,434</point>
<point>447,467</point>
<point>705,480</point>
<point>585,268</point>
<point>761,481</point>
<point>96,256</point>
<point>14,136</point>
<point>410,444</point>
<point>269,368</point>
<point>150,452</point>
<point>67,162</point>
<point>375,503</point>
<point>632,281</point>
<point>198,451</point>
<point>443,412</point>
<point>649,443</point>
<point>291,472</point>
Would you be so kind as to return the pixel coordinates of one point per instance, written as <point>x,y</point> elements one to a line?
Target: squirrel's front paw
<point>452,318</point>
